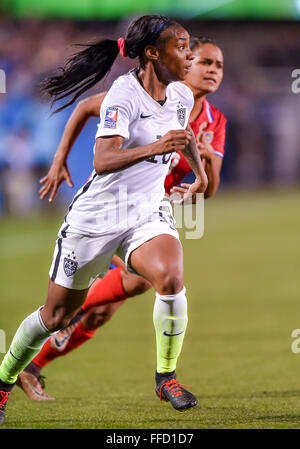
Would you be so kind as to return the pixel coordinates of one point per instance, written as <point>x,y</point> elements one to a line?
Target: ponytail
<point>89,66</point>
<point>81,71</point>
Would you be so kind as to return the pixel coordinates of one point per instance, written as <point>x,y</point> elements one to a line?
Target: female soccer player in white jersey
<point>107,294</point>
<point>143,119</point>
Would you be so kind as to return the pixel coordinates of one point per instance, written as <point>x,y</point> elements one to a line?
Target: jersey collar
<point>205,114</point>
<point>148,97</point>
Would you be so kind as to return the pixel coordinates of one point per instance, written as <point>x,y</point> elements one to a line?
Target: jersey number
<point>164,158</point>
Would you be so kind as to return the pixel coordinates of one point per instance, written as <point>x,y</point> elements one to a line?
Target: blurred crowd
<point>263,131</point>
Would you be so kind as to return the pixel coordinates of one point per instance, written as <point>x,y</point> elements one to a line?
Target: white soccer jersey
<point>118,200</point>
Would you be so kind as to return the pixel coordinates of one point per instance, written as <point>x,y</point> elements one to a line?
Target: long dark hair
<point>86,68</point>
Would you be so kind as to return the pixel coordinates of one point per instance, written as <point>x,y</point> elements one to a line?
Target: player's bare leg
<point>109,296</point>
<point>61,305</point>
<point>160,261</point>
<point>94,316</point>
<point>83,326</point>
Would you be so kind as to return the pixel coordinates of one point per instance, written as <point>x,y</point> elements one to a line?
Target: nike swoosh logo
<point>34,390</point>
<point>61,341</point>
<point>172,335</point>
<point>145,116</point>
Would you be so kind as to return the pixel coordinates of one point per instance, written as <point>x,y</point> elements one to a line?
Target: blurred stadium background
<point>244,287</point>
<point>263,135</point>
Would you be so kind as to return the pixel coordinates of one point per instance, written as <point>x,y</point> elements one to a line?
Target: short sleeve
<point>116,112</point>
<point>188,94</point>
<point>187,97</point>
<point>183,93</point>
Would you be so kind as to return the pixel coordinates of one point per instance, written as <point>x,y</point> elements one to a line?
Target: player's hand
<point>185,197</point>
<point>175,140</point>
<point>188,192</point>
<point>206,152</point>
<point>205,149</point>
<point>57,173</point>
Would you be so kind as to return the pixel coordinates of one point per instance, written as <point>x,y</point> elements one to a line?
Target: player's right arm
<point>59,172</point>
<point>110,157</point>
<point>119,111</point>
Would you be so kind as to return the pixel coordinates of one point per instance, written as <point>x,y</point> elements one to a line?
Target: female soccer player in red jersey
<point>140,107</point>
<point>106,295</point>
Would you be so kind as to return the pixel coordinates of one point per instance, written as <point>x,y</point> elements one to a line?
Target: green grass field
<point>243,287</point>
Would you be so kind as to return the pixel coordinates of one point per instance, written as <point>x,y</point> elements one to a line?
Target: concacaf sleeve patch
<point>111,116</point>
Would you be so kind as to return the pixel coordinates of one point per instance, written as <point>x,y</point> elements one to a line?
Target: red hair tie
<point>121,45</point>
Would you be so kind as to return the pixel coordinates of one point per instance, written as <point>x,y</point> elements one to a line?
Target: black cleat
<point>5,390</point>
<point>169,390</point>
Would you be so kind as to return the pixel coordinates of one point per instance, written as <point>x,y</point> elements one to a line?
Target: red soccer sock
<point>47,353</point>
<point>106,290</point>
<point>103,291</point>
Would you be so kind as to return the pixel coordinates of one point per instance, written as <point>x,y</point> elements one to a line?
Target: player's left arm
<point>213,166</point>
<point>192,155</point>
<point>212,158</point>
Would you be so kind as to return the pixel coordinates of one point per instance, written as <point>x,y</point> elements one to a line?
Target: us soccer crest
<point>181,113</point>
<point>70,266</point>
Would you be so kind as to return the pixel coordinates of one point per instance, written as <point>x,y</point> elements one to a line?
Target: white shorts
<point>79,259</point>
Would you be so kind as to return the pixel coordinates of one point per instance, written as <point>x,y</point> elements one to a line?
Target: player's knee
<point>57,320</point>
<point>169,283</point>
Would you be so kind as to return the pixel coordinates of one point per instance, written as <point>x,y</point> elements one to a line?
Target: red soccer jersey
<point>215,132</point>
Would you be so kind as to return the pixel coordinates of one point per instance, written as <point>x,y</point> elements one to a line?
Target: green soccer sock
<point>170,322</point>
<point>27,342</point>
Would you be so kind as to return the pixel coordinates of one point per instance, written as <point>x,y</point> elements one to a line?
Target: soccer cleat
<point>3,401</point>
<point>168,389</point>
<point>33,387</point>
<point>5,390</point>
